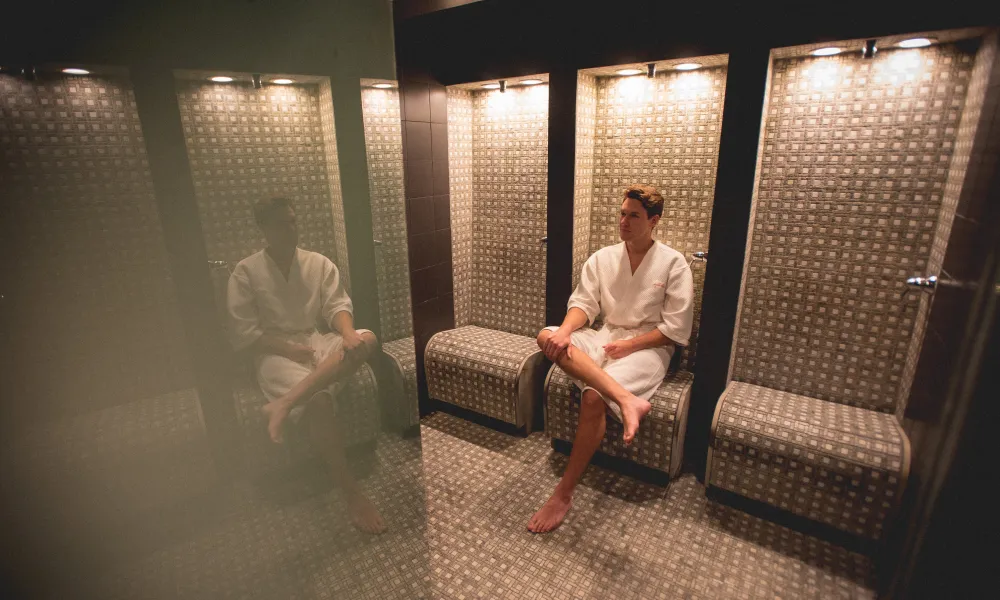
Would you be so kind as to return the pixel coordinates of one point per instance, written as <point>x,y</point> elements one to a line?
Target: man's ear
<point>655,219</point>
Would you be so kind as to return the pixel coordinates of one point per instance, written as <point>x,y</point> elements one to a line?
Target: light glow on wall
<point>828,51</point>
<point>915,43</point>
<point>221,79</point>
<point>283,81</point>
<point>628,72</point>
<point>690,66</point>
<point>75,71</point>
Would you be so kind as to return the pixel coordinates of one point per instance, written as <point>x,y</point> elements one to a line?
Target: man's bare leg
<point>578,365</point>
<point>589,434</point>
<point>326,438</point>
<point>333,368</point>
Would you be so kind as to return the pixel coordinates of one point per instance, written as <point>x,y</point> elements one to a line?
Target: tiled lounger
<point>402,354</point>
<point>357,412</point>
<point>659,444</point>
<point>840,465</point>
<point>491,372</point>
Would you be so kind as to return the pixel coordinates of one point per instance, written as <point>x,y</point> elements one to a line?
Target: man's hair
<point>266,208</point>
<point>651,199</point>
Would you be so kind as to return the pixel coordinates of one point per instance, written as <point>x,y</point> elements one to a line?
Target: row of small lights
<point>920,42</point>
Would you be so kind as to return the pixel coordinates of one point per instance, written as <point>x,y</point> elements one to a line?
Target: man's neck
<point>281,256</point>
<point>639,246</point>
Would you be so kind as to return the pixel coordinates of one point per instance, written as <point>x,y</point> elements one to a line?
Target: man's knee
<point>591,401</point>
<point>371,342</point>
<point>543,336</point>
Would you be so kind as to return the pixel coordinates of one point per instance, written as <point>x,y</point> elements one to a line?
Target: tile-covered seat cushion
<point>491,372</point>
<point>659,442</point>
<point>357,413</point>
<point>840,465</point>
<point>404,405</point>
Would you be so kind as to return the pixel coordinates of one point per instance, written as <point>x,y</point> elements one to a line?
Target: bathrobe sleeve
<point>587,296</point>
<point>333,296</point>
<point>244,323</point>
<point>677,313</point>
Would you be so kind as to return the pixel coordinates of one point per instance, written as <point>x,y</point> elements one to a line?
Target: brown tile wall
<point>89,309</point>
<point>852,179</point>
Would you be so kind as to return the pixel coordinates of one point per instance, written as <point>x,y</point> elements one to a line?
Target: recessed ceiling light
<point>828,51</point>
<point>491,86</point>
<point>382,86</point>
<point>915,43</point>
<point>283,81</point>
<point>530,81</point>
<point>221,79</point>
<point>687,66</point>
<point>74,71</point>
<point>630,71</point>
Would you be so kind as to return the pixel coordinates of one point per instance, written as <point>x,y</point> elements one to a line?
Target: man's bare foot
<point>364,514</point>
<point>551,514</point>
<point>633,410</point>
<point>276,413</point>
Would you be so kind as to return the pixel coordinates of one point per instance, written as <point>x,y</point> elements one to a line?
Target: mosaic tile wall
<point>460,192</point>
<point>583,171</point>
<point>245,144</point>
<point>966,133</point>
<point>853,174</point>
<point>504,282</point>
<point>384,150</point>
<point>89,295</point>
<point>665,133</point>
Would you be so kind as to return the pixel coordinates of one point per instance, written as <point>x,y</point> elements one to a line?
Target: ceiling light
<point>530,81</point>
<point>491,86</point>
<point>687,66</point>
<point>382,86</point>
<point>221,79</point>
<point>283,81</point>
<point>828,51</point>
<point>74,71</point>
<point>629,71</point>
<point>915,43</point>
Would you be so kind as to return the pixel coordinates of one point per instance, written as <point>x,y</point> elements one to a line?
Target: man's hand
<point>557,345</point>
<point>619,349</point>
<point>352,342</point>
<point>300,353</point>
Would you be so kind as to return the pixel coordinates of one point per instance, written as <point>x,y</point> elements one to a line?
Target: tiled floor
<point>456,501</point>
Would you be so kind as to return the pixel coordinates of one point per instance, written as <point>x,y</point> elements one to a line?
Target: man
<point>644,291</point>
<point>276,297</point>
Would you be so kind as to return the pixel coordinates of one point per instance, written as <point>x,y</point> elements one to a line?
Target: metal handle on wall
<point>931,283</point>
<point>699,257</point>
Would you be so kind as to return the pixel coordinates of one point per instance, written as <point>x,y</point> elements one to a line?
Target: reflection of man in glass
<point>276,299</point>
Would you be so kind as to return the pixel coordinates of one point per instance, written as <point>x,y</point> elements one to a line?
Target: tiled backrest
<point>855,161</point>
<point>93,302</point>
<point>245,144</point>
<point>498,222</point>
<point>384,151</point>
<point>664,133</point>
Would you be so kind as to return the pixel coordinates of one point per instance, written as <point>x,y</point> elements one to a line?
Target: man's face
<point>281,230</point>
<point>633,223</point>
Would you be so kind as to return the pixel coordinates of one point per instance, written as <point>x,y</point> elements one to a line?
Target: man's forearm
<point>269,344</point>
<point>575,319</point>
<point>343,323</point>
<point>651,339</point>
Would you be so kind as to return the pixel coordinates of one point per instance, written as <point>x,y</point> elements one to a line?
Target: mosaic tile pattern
<point>384,151</point>
<point>91,269</point>
<point>953,189</point>
<point>659,444</point>
<point>836,464</point>
<point>491,372</point>
<point>583,170</point>
<point>244,144</point>
<point>456,502</point>
<point>504,284</point>
<point>854,168</point>
<point>357,411</point>
<point>460,190</point>
<point>663,132</point>
<point>404,353</point>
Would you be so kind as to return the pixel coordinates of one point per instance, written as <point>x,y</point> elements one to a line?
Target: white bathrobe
<point>659,295</point>
<point>261,300</point>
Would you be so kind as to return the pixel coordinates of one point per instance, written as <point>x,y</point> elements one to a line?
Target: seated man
<point>276,298</point>
<point>644,291</point>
